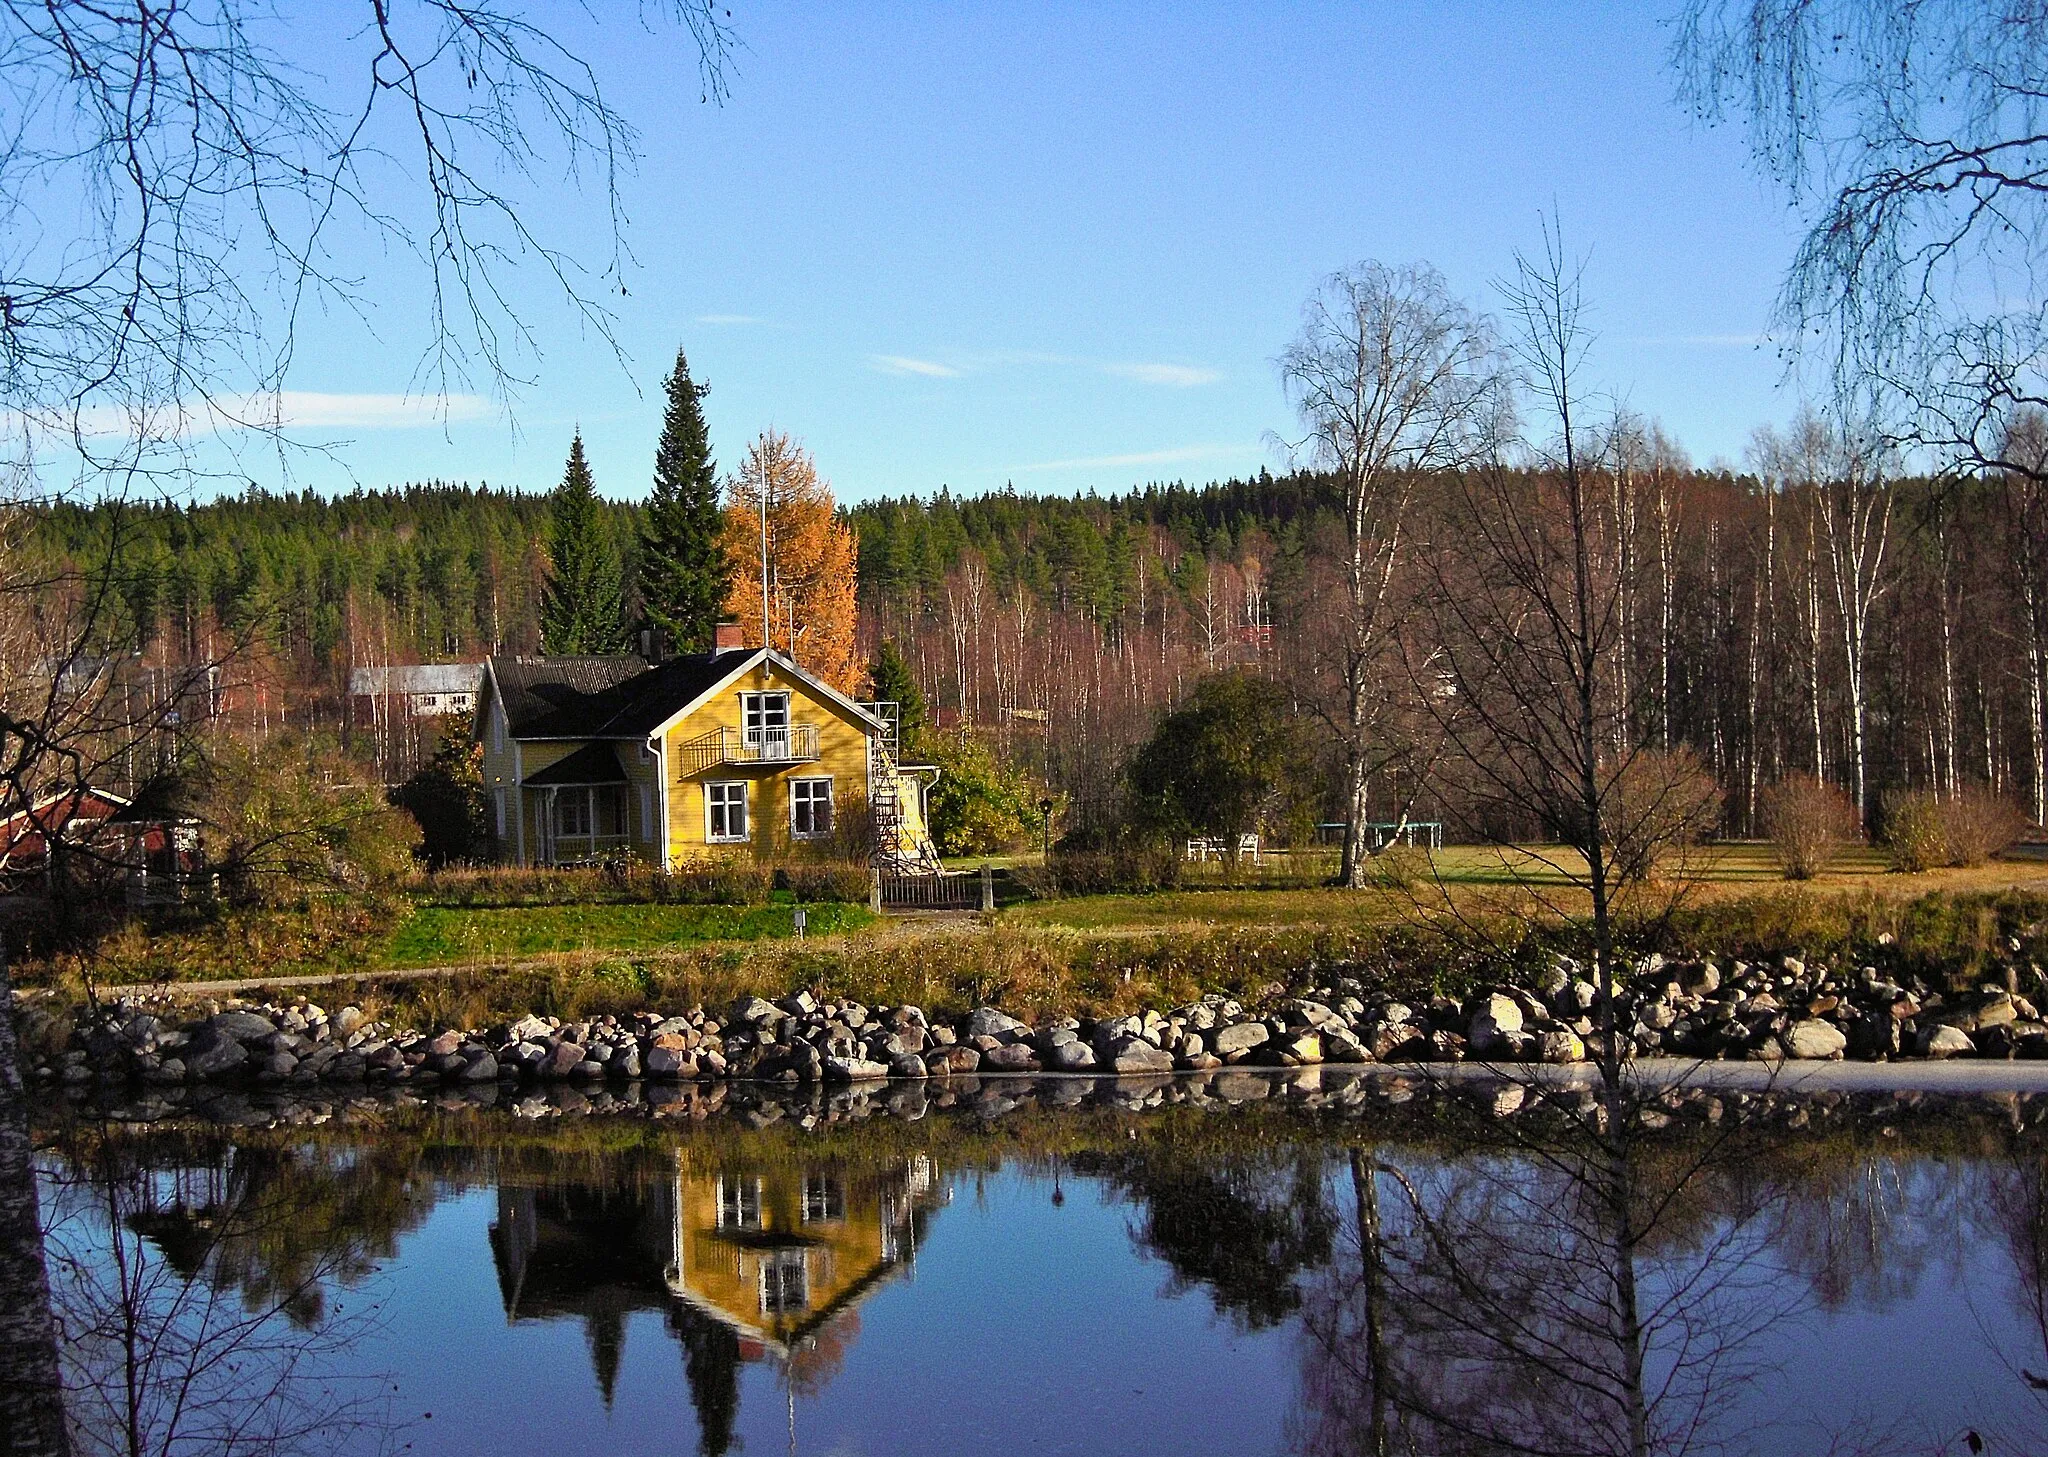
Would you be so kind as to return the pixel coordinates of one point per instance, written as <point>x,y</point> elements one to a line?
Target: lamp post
<point>1045,813</point>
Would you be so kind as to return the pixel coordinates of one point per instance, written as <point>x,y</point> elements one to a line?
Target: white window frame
<point>785,1281</point>
<point>712,799</point>
<point>739,1204</point>
<point>759,712</point>
<point>810,785</point>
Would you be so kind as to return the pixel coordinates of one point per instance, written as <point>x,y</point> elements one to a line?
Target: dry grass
<point>1483,880</point>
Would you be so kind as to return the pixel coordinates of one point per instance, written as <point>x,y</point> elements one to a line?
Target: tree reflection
<point>2009,1207</point>
<point>1569,1289</point>
<point>195,1293</point>
<point>1247,1227</point>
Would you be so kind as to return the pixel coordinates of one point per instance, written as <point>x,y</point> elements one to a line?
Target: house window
<point>498,804</point>
<point>810,808</point>
<point>725,812</point>
<point>498,732</point>
<point>739,1204</point>
<point>785,1282</point>
<point>647,814</point>
<point>824,1200</point>
<point>765,720</point>
<point>572,813</point>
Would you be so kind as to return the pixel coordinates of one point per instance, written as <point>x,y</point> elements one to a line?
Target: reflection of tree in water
<point>1567,1293</point>
<point>2008,1204</point>
<point>1247,1227</point>
<point>192,1278</point>
<point>711,1362</point>
<point>592,1251</point>
<point>1865,1235</point>
<point>281,1224</point>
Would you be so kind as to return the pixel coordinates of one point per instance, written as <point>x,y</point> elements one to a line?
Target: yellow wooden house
<point>590,758</point>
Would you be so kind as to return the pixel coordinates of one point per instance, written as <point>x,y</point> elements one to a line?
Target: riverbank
<point>1791,1011</point>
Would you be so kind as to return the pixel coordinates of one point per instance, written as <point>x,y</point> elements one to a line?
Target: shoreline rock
<point>1699,1009</point>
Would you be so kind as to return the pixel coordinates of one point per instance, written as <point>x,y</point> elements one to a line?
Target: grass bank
<point>362,937</point>
<point>1948,938</point>
<point>445,935</point>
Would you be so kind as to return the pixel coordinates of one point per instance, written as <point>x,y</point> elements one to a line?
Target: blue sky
<point>966,245</point>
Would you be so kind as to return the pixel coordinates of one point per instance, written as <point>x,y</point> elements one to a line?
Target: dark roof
<point>592,764</point>
<point>618,697</point>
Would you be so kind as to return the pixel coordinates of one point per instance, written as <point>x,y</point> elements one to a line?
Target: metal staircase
<point>885,802</point>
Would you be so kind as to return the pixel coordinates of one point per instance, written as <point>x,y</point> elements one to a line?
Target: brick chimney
<point>725,638</point>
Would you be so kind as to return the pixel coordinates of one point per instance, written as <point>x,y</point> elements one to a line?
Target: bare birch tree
<point>1393,378</point>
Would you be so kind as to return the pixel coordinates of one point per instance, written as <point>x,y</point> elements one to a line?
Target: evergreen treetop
<point>582,603</point>
<point>682,569</point>
<point>891,681</point>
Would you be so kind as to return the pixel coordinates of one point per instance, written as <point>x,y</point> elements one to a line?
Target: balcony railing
<point>796,744</point>
<point>566,851</point>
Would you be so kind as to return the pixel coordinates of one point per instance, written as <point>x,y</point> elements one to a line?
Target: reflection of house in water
<point>746,1263</point>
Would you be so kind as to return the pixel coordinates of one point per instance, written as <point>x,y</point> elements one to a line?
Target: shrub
<point>288,816</point>
<point>719,880</point>
<point>1807,822</point>
<point>1915,837</point>
<point>1660,802</point>
<point>823,880</point>
<point>1978,824</point>
<point>980,805</point>
<point>446,797</point>
<point>853,830</point>
<point>1922,831</point>
<point>1125,868</point>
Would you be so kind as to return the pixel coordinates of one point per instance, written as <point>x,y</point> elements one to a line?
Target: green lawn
<point>433,935</point>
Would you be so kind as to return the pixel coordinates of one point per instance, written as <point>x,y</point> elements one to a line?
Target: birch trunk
<point>32,1419</point>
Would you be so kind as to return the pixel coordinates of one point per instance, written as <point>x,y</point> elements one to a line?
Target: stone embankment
<point>1685,1009</point>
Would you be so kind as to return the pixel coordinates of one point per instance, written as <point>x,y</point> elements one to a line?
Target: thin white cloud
<point>314,409</point>
<point>729,319</point>
<point>1174,456</point>
<point>923,368</point>
<point>1174,376</point>
<point>1169,376</point>
<point>283,410</point>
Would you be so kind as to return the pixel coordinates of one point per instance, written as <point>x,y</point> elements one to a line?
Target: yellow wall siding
<point>500,772</point>
<point>842,757</point>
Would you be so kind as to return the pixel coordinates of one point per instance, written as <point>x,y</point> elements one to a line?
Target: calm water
<point>1371,1265</point>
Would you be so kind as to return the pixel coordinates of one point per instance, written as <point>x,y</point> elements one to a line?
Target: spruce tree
<point>891,681</point>
<point>682,569</point>
<point>582,607</point>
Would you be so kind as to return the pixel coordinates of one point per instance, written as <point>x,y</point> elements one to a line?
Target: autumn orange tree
<point>810,555</point>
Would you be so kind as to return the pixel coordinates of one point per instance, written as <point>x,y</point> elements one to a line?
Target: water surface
<point>1336,1264</point>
